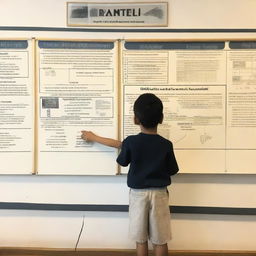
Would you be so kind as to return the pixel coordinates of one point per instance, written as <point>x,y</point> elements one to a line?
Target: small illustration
<point>155,12</point>
<point>204,138</point>
<point>50,102</point>
<point>80,12</point>
<point>50,107</point>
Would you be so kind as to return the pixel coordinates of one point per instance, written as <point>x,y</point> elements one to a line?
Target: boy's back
<point>151,160</point>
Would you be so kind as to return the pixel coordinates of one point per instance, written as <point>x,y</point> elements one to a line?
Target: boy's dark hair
<point>148,109</point>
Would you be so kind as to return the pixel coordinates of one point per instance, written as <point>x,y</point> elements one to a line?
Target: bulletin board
<point>52,89</point>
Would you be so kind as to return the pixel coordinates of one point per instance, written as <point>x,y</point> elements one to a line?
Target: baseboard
<point>10,251</point>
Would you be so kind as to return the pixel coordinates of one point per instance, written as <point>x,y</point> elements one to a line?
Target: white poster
<point>16,107</point>
<point>191,85</point>
<point>241,102</point>
<point>77,90</point>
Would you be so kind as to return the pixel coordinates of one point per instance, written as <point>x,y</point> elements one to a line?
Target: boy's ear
<point>161,120</point>
<point>136,120</point>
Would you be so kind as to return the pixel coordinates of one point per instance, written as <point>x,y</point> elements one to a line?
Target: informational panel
<point>76,90</point>
<point>16,107</point>
<point>241,107</point>
<point>208,90</point>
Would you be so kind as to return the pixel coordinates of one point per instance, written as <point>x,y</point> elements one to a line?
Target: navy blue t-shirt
<point>151,158</point>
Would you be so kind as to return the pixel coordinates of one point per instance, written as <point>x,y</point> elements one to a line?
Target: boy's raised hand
<point>92,137</point>
<point>88,136</point>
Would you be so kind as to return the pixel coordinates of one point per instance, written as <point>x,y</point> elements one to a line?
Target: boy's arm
<point>90,136</point>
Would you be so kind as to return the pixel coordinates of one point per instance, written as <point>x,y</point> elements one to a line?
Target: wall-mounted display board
<point>16,107</point>
<point>51,90</point>
<point>209,94</point>
<point>76,90</point>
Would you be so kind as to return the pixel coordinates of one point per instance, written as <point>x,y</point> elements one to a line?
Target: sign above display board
<point>117,14</point>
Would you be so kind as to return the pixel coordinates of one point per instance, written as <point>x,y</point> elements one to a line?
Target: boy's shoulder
<point>131,137</point>
<point>147,137</point>
<point>164,140</point>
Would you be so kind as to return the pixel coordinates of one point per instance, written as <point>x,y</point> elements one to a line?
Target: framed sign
<point>150,14</point>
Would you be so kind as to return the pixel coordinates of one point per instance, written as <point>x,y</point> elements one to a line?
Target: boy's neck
<point>148,130</point>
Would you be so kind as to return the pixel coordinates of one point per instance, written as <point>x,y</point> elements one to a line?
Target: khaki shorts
<point>149,215</point>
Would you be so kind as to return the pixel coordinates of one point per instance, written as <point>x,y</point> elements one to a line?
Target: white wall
<point>109,229</point>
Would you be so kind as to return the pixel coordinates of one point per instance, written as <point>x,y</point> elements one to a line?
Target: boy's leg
<point>138,216</point>
<point>160,250</point>
<point>142,249</point>
<point>159,218</point>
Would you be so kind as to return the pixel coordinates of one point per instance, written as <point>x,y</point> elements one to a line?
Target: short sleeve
<point>171,162</point>
<point>124,157</point>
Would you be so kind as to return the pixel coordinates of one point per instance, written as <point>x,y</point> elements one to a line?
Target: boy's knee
<point>160,245</point>
<point>142,243</point>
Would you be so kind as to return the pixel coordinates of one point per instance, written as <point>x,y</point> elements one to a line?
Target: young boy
<point>152,162</point>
